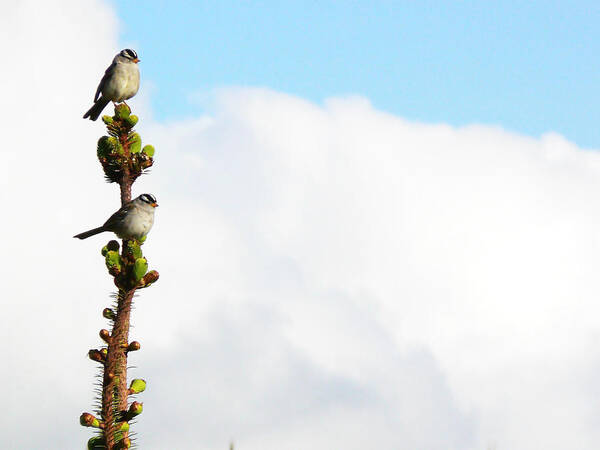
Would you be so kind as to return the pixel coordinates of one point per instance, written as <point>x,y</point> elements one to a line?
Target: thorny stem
<point>126,181</point>
<point>115,368</point>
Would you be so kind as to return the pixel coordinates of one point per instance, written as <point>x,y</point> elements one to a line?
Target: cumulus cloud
<point>375,238</point>
<point>331,276</point>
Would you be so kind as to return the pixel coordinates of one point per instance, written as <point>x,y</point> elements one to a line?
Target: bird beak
<point>155,205</point>
<point>136,60</point>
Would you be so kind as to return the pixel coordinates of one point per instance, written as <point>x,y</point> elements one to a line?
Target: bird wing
<point>117,217</point>
<point>107,75</point>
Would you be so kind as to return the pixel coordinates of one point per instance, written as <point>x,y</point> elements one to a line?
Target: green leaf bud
<point>113,260</point>
<point>135,409</point>
<point>148,150</point>
<point>134,248</point>
<point>105,146</point>
<point>122,111</point>
<point>96,443</point>
<point>131,120</point>
<point>137,385</point>
<point>135,143</point>
<point>108,120</point>
<point>88,420</point>
<point>140,268</point>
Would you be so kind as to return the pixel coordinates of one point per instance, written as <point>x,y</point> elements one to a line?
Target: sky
<point>337,272</point>
<point>530,67</point>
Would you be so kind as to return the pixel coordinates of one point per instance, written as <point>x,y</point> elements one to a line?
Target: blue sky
<point>530,67</point>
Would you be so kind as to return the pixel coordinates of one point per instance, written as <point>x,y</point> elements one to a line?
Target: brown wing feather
<point>117,217</point>
<point>106,76</point>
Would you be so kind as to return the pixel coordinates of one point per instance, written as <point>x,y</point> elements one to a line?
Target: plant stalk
<point>114,392</point>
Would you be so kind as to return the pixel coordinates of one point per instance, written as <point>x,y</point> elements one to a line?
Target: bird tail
<point>87,234</point>
<point>96,109</point>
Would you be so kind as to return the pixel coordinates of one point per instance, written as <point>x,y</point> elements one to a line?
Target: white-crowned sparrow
<point>132,221</point>
<point>120,82</point>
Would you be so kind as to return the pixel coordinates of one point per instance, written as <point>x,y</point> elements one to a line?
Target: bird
<point>120,82</point>
<point>132,221</point>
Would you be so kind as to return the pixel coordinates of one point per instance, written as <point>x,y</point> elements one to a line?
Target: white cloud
<point>331,276</point>
<point>373,237</point>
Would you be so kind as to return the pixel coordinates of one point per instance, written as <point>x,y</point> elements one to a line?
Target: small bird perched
<point>132,221</point>
<point>120,82</point>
